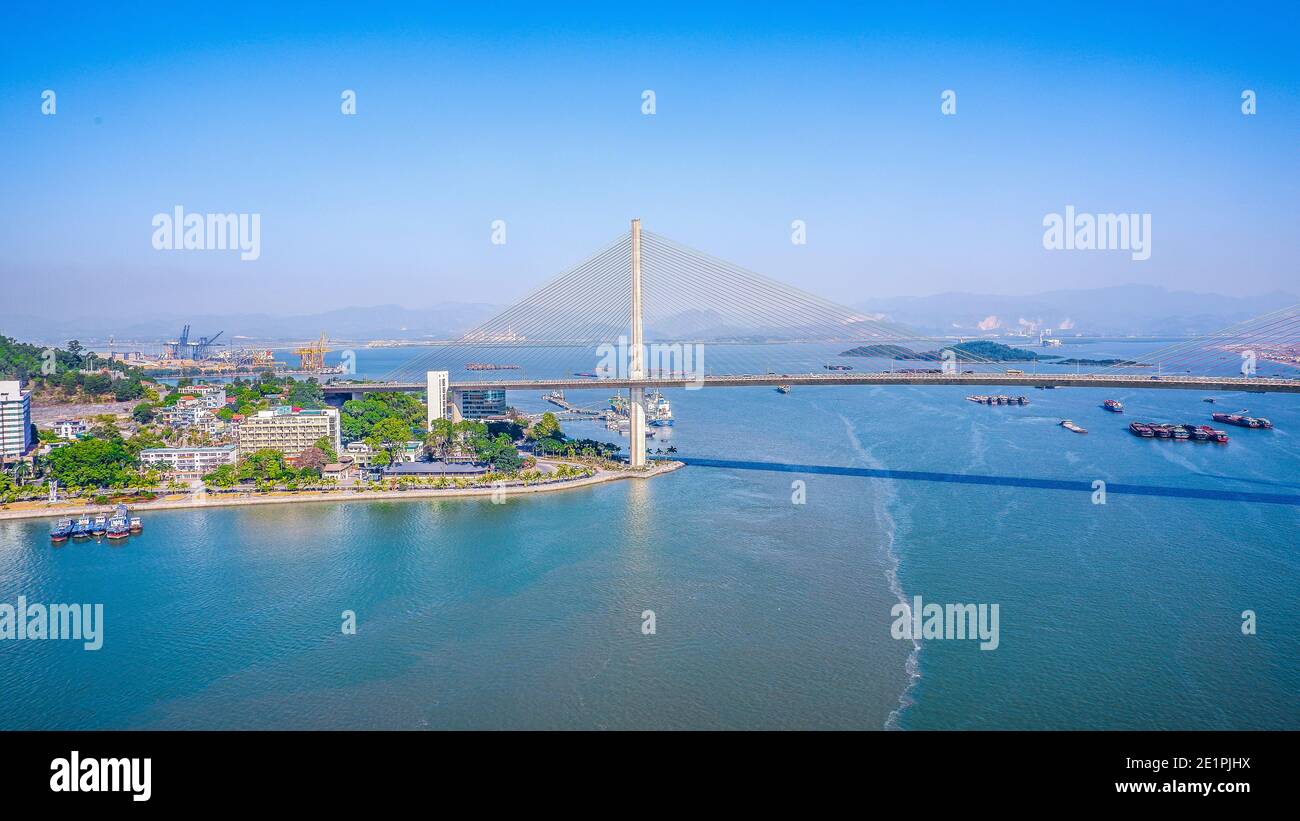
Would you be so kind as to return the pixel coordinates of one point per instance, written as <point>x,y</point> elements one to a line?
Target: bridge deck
<point>1203,383</point>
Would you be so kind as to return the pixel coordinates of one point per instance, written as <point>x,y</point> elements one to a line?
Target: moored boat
<point>136,525</point>
<point>119,527</point>
<point>61,531</point>
<point>100,527</point>
<point>1140,429</point>
<point>81,530</point>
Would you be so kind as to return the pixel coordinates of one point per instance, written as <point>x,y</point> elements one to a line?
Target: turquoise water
<point>768,613</point>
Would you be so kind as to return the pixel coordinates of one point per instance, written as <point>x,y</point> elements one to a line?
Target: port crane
<point>183,348</point>
<point>311,357</point>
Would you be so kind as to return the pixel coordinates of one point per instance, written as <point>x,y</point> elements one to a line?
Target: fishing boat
<point>81,530</point>
<point>136,525</point>
<point>100,527</point>
<point>61,531</point>
<point>119,527</point>
<point>1068,425</point>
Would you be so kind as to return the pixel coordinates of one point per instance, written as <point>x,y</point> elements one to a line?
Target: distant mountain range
<point>1142,310</point>
<point>1122,310</point>
<point>374,322</point>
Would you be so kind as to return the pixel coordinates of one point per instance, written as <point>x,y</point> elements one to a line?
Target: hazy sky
<point>532,115</point>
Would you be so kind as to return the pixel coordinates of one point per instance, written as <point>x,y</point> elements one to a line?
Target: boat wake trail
<point>882,501</point>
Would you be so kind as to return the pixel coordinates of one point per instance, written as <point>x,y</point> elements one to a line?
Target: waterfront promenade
<point>190,500</point>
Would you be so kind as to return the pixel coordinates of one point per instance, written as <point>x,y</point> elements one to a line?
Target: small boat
<point>782,388</point>
<point>136,525</point>
<point>61,530</point>
<point>1209,399</point>
<point>1113,406</point>
<point>1068,425</point>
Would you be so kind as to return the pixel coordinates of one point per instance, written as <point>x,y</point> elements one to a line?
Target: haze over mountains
<point>1121,310</point>
<point>1142,310</point>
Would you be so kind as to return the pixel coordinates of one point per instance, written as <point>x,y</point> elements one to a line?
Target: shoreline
<point>285,497</point>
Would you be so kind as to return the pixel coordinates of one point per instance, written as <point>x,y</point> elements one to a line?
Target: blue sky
<point>469,114</point>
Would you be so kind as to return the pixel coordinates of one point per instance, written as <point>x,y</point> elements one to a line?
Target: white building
<point>438,383</point>
<point>289,431</point>
<point>191,413</point>
<point>189,463</point>
<point>212,397</point>
<point>70,428</point>
<point>15,420</point>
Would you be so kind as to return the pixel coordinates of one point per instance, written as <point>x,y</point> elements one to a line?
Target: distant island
<point>1106,362</point>
<point>975,349</point>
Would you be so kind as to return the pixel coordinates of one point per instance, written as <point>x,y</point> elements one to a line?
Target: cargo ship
<point>1068,425</point>
<point>660,410</point>
<point>1113,406</point>
<point>1178,433</point>
<point>488,366</point>
<point>61,531</point>
<point>1241,420</point>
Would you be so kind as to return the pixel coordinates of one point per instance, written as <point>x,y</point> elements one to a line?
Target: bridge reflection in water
<point>999,481</point>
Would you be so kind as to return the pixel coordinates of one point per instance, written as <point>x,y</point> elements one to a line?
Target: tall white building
<point>438,383</point>
<point>15,420</point>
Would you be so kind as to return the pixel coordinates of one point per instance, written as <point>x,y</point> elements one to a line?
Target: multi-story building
<point>289,430</point>
<point>436,402</point>
<point>487,404</point>
<point>212,397</point>
<point>70,428</point>
<point>15,420</point>
<point>189,463</point>
<point>190,413</point>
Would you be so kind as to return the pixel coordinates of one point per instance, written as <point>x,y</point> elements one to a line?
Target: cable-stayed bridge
<point>646,313</point>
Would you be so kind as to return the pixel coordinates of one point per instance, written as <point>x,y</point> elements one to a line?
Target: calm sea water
<point>768,613</point>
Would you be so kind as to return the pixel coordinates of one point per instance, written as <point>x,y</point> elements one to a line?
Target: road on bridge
<point>1182,382</point>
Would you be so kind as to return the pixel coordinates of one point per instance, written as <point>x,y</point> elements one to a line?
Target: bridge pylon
<point>636,367</point>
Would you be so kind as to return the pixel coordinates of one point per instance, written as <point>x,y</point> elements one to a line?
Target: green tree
<point>391,433</point>
<point>143,413</point>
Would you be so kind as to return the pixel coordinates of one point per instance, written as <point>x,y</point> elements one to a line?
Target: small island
<point>975,349</point>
